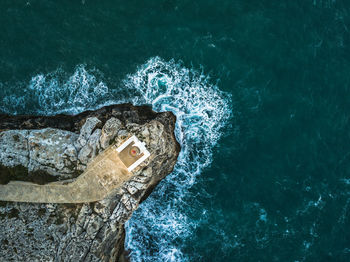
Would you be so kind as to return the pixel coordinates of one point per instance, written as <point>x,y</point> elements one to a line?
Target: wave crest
<point>58,92</point>
<point>159,228</point>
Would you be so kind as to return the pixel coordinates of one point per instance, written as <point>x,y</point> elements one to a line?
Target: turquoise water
<point>261,92</point>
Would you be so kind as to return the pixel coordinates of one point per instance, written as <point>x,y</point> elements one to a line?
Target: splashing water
<point>158,229</point>
<point>58,92</point>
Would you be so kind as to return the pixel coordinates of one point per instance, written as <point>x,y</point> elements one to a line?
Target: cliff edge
<point>58,149</point>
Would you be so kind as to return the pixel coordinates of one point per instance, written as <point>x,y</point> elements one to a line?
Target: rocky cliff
<point>43,149</point>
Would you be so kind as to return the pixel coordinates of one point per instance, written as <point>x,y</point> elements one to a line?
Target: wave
<point>160,227</point>
<point>58,92</point>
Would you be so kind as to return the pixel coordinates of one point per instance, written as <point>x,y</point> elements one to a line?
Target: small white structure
<point>133,152</point>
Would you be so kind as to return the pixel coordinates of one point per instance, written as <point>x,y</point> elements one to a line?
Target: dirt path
<point>103,174</point>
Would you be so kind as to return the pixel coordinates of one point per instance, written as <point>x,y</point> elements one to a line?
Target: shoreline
<point>156,129</point>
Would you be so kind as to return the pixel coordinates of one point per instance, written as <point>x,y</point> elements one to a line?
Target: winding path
<point>103,174</point>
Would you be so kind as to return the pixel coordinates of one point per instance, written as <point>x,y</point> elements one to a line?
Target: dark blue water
<point>261,94</point>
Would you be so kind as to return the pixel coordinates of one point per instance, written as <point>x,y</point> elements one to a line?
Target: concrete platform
<point>103,174</point>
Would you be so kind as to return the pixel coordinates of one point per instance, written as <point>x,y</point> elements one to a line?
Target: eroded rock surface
<point>62,148</point>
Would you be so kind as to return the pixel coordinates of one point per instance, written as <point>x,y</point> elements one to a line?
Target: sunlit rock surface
<point>46,149</point>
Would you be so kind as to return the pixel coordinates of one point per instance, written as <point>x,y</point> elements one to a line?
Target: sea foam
<point>57,92</point>
<point>158,230</point>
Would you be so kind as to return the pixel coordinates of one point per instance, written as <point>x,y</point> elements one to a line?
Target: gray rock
<point>14,148</point>
<point>52,150</point>
<point>82,232</point>
<point>123,133</point>
<point>48,149</point>
<point>86,130</point>
<point>91,148</point>
<point>109,131</point>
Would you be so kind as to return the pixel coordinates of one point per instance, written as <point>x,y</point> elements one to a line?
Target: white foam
<point>160,227</point>
<point>57,92</point>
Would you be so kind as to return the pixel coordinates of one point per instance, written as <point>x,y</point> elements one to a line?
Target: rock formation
<point>57,148</point>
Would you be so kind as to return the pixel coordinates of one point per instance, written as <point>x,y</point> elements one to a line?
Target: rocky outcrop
<point>48,149</point>
<point>54,148</point>
<point>109,131</point>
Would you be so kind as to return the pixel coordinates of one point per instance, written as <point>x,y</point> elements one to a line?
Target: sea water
<point>201,110</point>
<point>260,90</point>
